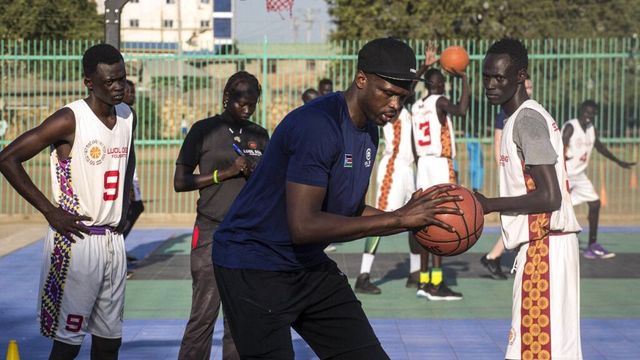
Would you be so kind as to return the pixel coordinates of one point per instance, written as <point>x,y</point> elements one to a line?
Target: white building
<point>163,24</point>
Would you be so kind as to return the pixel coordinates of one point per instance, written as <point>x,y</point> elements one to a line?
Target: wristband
<point>215,177</point>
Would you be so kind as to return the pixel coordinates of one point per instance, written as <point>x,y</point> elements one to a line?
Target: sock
<point>436,276</point>
<point>414,263</point>
<point>367,263</point>
<point>424,277</point>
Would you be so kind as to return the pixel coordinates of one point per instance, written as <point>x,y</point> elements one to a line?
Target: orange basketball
<point>454,59</point>
<point>468,227</point>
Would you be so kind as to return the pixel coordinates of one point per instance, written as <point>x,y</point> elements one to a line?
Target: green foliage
<point>47,19</point>
<point>483,19</point>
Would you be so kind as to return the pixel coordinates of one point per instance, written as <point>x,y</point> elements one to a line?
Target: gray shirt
<point>531,136</point>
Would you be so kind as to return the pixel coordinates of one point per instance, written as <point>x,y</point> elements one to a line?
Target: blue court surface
<point>153,327</point>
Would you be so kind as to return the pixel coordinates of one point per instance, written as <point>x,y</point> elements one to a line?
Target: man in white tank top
<point>536,214</point>
<point>84,266</point>
<point>579,137</point>
<point>434,140</point>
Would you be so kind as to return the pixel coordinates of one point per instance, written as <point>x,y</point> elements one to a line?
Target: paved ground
<point>158,299</point>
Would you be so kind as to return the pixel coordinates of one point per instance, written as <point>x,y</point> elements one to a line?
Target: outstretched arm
<point>57,129</point>
<point>460,109</point>
<point>430,58</point>
<point>308,224</point>
<point>602,149</point>
<point>545,198</point>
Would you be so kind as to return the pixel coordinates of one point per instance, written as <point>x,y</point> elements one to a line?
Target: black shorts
<point>263,306</point>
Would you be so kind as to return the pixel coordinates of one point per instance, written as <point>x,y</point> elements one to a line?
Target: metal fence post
<point>112,11</point>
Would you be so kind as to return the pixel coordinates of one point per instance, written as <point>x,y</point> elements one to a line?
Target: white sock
<point>367,262</point>
<point>414,262</point>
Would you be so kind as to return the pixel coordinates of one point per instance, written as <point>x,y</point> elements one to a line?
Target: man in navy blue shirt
<point>309,191</point>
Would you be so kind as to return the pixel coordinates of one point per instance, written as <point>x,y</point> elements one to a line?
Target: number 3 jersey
<point>91,181</point>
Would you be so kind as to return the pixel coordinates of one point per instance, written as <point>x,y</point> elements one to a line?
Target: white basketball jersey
<point>431,138</point>
<point>580,147</point>
<point>515,181</point>
<point>397,139</point>
<point>91,181</point>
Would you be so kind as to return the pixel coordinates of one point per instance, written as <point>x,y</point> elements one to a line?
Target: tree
<point>46,19</point>
<point>483,19</point>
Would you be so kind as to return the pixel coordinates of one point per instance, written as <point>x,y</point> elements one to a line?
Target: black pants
<point>263,306</point>
<point>205,302</point>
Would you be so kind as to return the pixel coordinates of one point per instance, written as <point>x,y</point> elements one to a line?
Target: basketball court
<point>159,295</point>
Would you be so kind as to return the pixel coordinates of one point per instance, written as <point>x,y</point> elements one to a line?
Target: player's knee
<point>104,349</point>
<point>594,205</point>
<point>62,351</point>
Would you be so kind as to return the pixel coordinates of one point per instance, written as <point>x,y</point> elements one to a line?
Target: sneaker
<point>330,248</point>
<point>129,274</point>
<point>493,266</point>
<point>413,281</point>
<point>442,292</point>
<point>596,251</point>
<point>423,290</point>
<point>364,285</point>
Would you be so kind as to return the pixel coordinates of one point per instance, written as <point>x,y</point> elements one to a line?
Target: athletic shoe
<point>330,248</point>
<point>364,285</point>
<point>596,251</point>
<point>423,290</point>
<point>442,292</point>
<point>493,266</point>
<point>413,281</point>
<point>129,274</point>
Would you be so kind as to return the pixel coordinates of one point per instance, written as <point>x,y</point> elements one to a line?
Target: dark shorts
<point>263,306</point>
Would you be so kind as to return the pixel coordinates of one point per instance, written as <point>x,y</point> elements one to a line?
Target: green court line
<point>484,299</point>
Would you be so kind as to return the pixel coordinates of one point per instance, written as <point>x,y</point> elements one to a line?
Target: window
<point>204,23</point>
<point>222,5</point>
<point>222,28</point>
<point>168,23</point>
<point>171,1</point>
<point>134,23</point>
<point>205,1</point>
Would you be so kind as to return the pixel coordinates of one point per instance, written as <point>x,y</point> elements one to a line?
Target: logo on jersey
<point>348,160</point>
<point>504,159</point>
<point>367,162</point>
<point>94,152</point>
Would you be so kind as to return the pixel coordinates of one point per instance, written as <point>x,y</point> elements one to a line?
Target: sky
<point>253,22</point>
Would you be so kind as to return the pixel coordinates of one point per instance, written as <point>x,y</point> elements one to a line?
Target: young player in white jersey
<point>434,141</point>
<point>579,137</point>
<point>536,214</point>
<point>84,266</point>
<point>395,183</point>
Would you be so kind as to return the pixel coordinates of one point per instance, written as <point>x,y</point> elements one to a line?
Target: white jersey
<point>515,181</point>
<point>431,138</point>
<point>397,139</point>
<point>91,181</point>
<point>580,147</point>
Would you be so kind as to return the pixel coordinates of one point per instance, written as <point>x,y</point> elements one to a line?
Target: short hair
<point>587,103</point>
<point>130,83</point>
<point>429,74</point>
<point>99,54</point>
<point>309,95</point>
<point>515,49</point>
<point>324,81</point>
<point>241,77</point>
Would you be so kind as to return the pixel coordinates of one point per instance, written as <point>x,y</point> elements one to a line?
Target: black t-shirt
<point>208,145</point>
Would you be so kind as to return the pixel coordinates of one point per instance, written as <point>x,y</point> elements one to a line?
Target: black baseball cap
<point>389,58</point>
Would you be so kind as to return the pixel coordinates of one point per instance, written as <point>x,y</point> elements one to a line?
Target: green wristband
<point>215,177</point>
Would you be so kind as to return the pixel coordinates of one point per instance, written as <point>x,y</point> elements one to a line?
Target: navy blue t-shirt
<point>316,144</point>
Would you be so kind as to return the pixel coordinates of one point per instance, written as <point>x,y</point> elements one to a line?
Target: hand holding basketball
<point>424,206</point>
<point>454,60</point>
<point>468,224</point>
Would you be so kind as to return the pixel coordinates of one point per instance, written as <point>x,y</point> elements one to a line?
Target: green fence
<point>174,90</point>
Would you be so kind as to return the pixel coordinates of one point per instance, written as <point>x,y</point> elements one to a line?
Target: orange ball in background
<point>454,59</point>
